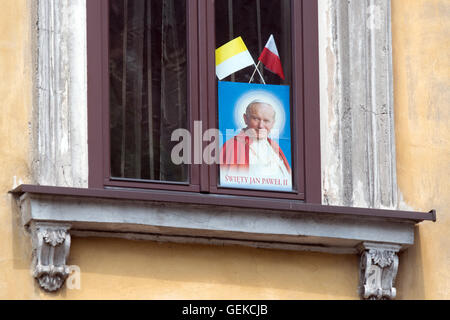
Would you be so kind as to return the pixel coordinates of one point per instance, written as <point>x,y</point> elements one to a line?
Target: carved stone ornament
<point>378,270</point>
<point>51,246</point>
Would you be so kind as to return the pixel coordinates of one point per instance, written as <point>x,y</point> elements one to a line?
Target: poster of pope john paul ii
<point>254,120</point>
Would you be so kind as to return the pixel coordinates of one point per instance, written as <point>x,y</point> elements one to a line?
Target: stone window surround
<point>355,75</point>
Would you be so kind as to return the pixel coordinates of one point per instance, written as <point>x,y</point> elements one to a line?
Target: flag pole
<point>251,79</point>
<point>260,74</point>
<point>256,69</point>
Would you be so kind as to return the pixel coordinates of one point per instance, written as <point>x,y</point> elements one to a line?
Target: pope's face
<point>259,119</point>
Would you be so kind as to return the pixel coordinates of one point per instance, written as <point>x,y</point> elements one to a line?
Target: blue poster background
<point>233,98</point>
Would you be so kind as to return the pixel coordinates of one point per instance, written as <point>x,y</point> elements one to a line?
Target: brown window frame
<point>201,47</point>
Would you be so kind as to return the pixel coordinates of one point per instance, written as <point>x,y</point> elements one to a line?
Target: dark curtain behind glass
<point>255,21</point>
<point>148,94</point>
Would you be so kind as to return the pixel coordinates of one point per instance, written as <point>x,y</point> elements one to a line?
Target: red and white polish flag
<point>271,59</point>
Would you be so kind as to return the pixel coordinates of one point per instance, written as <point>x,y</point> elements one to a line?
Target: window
<point>147,88</point>
<point>152,70</point>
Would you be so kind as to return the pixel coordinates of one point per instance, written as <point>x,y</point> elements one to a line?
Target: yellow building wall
<point>15,108</point>
<point>421,43</point>
<point>123,269</point>
<point>130,270</point>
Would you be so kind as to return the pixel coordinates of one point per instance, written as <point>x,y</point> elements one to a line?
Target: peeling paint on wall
<point>60,104</point>
<point>357,125</point>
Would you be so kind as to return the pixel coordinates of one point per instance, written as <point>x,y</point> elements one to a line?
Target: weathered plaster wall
<point>112,268</point>
<point>356,104</point>
<point>59,118</point>
<point>421,44</point>
<point>130,270</point>
<point>15,110</point>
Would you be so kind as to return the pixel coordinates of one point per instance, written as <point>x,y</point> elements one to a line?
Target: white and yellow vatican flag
<point>231,57</point>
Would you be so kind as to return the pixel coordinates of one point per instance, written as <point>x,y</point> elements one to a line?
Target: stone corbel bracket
<point>51,247</point>
<point>378,270</point>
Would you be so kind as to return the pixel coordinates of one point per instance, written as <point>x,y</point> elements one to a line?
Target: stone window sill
<point>191,217</point>
<point>54,213</point>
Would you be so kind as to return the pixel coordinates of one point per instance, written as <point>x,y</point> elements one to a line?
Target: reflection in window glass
<point>148,95</point>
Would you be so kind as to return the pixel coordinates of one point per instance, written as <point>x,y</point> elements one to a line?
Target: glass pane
<point>255,21</point>
<point>254,68</point>
<point>148,95</point>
